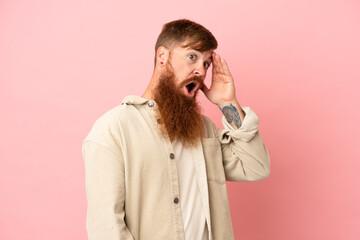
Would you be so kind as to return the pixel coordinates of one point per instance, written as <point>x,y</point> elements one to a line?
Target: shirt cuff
<point>247,130</point>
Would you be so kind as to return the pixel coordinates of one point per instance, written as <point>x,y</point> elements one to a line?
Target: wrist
<point>232,112</point>
<point>227,103</point>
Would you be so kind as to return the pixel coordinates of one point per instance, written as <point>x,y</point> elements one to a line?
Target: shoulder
<point>106,129</point>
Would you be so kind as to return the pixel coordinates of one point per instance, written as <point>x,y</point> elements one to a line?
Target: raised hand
<point>222,92</point>
<point>222,87</point>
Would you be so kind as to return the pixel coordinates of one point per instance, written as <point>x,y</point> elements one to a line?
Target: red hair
<point>188,33</point>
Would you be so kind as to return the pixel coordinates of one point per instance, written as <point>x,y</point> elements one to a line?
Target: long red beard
<point>180,115</point>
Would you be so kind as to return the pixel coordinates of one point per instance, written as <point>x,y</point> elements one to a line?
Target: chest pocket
<point>213,160</point>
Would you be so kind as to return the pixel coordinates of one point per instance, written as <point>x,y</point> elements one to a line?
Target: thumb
<point>205,89</point>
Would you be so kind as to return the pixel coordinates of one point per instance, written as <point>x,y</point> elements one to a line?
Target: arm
<point>233,113</point>
<point>245,157</point>
<point>105,187</point>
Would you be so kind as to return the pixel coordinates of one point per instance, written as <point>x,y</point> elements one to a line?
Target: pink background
<point>295,63</point>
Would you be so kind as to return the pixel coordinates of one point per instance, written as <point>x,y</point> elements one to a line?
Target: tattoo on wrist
<point>232,115</point>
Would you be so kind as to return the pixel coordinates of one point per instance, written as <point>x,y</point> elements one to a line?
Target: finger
<point>213,55</point>
<point>217,64</point>
<point>221,67</point>
<point>204,89</point>
<point>221,70</point>
<point>225,67</point>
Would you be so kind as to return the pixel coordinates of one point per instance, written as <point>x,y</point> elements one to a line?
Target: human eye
<point>192,56</point>
<point>206,64</point>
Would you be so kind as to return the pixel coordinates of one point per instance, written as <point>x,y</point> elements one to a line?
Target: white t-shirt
<point>192,208</point>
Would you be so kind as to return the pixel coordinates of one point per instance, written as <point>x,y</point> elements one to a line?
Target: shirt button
<point>176,200</point>
<point>150,103</point>
<point>172,156</point>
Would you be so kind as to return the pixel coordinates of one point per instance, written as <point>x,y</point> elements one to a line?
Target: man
<point>156,168</point>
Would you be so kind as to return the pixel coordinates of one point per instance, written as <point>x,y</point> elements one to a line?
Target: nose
<point>200,70</point>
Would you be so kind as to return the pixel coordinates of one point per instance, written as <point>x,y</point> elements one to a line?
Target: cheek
<point>182,72</point>
<point>181,69</point>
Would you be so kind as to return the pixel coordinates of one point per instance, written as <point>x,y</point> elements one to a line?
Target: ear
<point>162,55</point>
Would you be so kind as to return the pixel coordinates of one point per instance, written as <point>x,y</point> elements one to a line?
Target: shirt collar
<point>135,100</point>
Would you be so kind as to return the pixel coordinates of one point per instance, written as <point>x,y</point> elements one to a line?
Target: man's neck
<point>149,91</point>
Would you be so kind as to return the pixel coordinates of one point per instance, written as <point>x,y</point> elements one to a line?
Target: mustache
<point>198,79</point>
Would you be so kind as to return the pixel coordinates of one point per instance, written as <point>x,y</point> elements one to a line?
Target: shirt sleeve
<point>105,183</point>
<point>245,156</point>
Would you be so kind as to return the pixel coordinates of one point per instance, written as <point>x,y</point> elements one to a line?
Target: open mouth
<point>191,88</point>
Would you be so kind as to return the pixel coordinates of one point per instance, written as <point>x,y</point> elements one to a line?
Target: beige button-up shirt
<point>132,184</point>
